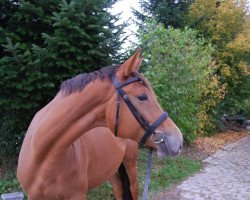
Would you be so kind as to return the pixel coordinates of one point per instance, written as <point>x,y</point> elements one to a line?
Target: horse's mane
<point>78,83</point>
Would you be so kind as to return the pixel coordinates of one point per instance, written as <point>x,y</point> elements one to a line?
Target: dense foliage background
<point>197,57</point>
<point>178,69</point>
<point>203,67</point>
<point>42,44</point>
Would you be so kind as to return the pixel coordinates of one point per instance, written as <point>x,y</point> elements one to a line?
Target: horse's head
<point>133,88</point>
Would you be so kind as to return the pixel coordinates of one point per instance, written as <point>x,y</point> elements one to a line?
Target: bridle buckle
<point>161,140</point>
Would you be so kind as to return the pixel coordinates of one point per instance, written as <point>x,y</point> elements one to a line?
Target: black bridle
<point>149,129</point>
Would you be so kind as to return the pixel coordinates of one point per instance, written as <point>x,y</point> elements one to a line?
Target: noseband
<point>149,129</point>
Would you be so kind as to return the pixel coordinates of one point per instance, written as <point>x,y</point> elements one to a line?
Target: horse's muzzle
<point>171,146</point>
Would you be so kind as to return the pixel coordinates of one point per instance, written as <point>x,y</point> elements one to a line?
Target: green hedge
<point>178,66</point>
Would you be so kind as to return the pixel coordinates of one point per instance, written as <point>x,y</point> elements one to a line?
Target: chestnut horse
<point>53,162</point>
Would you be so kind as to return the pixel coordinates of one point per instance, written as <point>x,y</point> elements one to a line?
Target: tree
<point>222,22</point>
<point>46,42</point>
<point>24,21</point>
<point>180,70</point>
<point>237,54</point>
<point>240,46</point>
<point>217,20</point>
<point>168,12</point>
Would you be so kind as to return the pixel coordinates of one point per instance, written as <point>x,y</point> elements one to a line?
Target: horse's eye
<point>142,97</point>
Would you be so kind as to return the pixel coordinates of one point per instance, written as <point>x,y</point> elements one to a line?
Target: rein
<point>149,129</point>
<point>148,172</point>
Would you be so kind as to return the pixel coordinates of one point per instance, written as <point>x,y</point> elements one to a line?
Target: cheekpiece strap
<point>117,113</point>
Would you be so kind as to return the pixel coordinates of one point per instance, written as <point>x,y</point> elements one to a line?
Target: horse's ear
<point>138,63</point>
<point>132,64</point>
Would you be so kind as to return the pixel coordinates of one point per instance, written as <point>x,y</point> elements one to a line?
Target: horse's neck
<point>67,118</point>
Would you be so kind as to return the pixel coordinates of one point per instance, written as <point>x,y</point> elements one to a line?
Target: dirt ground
<point>206,146</point>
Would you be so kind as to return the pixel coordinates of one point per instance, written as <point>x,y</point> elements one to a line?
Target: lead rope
<point>147,180</point>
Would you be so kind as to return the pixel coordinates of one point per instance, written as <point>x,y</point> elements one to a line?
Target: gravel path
<point>226,176</point>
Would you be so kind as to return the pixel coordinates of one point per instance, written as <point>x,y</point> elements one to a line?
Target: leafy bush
<point>227,25</point>
<point>246,106</point>
<point>180,69</point>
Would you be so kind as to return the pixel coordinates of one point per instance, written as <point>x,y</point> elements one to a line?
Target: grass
<point>165,173</point>
<point>9,183</point>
